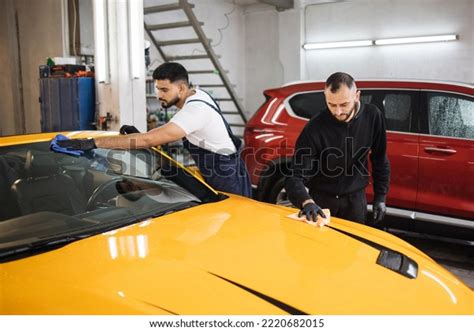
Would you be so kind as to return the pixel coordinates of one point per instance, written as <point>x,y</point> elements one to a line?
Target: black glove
<point>128,129</point>
<point>78,144</point>
<point>379,211</point>
<point>311,211</point>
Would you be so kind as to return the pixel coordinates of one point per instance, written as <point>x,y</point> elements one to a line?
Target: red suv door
<point>446,180</point>
<point>399,109</point>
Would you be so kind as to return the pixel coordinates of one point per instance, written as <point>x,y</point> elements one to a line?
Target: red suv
<point>430,139</point>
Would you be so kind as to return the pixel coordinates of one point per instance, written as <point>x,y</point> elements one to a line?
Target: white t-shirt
<point>203,126</point>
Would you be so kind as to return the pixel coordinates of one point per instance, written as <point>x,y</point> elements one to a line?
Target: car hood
<point>235,256</point>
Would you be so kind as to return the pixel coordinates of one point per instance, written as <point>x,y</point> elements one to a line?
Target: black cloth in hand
<point>379,211</point>
<point>311,211</point>
<point>77,144</point>
<point>128,129</point>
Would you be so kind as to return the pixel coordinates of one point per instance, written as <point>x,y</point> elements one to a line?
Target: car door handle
<point>436,150</point>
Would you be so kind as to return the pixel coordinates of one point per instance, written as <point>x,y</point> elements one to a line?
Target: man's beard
<point>348,115</point>
<point>172,103</point>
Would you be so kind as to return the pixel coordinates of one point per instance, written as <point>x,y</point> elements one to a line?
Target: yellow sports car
<point>133,232</point>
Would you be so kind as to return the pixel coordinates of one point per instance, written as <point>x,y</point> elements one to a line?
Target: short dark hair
<point>336,79</point>
<point>172,71</point>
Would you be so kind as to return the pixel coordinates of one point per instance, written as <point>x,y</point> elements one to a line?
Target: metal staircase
<point>205,69</point>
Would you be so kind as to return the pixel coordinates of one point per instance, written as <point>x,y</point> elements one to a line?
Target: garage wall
<point>10,112</point>
<point>272,50</point>
<point>260,47</point>
<point>274,54</point>
<point>230,46</point>
<point>40,36</point>
<point>263,67</point>
<point>358,20</point>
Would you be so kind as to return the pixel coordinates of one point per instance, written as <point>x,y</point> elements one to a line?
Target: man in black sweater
<point>331,157</point>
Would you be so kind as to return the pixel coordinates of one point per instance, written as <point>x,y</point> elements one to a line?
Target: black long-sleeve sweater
<point>331,156</point>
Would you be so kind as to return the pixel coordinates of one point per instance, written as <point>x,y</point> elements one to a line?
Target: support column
<point>120,62</point>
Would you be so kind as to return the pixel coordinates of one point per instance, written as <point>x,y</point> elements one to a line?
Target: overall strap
<point>236,141</point>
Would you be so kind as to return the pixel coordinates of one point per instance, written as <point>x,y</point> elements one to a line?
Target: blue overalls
<point>226,173</point>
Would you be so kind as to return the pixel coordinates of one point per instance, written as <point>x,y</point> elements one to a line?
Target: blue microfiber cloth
<point>56,148</point>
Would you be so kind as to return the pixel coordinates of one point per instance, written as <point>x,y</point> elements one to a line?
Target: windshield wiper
<point>100,228</point>
<point>36,247</point>
<point>44,244</point>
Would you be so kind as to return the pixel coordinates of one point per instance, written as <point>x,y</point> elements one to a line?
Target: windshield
<point>46,197</point>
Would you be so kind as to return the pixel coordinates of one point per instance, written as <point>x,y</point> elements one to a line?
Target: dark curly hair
<point>172,71</point>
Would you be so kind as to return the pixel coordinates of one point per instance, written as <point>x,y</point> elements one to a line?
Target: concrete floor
<point>458,259</point>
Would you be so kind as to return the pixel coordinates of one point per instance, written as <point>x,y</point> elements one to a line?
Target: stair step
<point>237,125</point>
<point>179,42</point>
<point>166,26</point>
<point>198,72</point>
<point>209,85</point>
<point>223,99</point>
<point>188,57</point>
<point>230,113</point>
<point>164,8</point>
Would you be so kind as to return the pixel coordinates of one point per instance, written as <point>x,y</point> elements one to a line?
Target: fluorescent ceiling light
<point>411,40</point>
<point>339,44</point>
<point>381,42</point>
